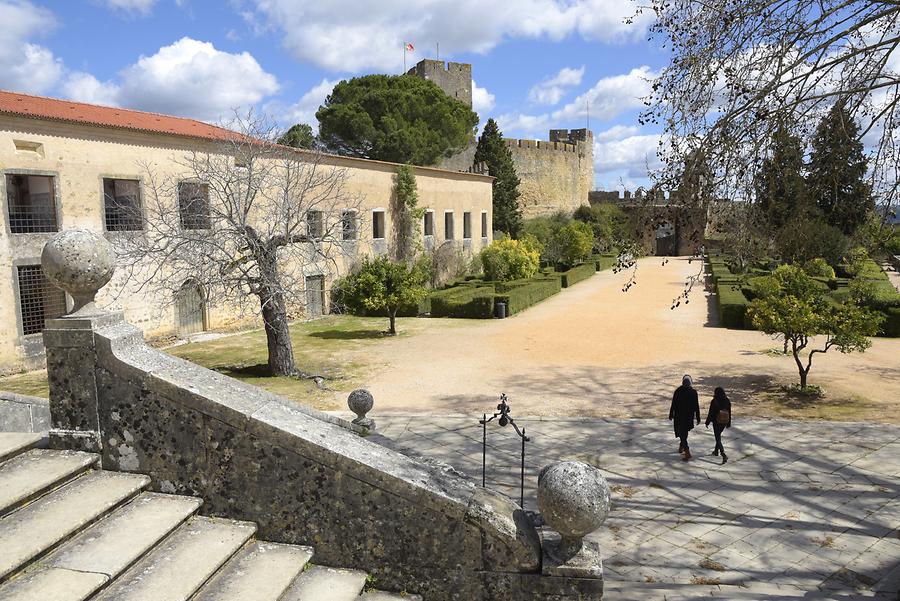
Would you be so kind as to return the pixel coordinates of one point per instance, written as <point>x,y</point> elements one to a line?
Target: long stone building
<point>66,165</point>
<point>556,174</point>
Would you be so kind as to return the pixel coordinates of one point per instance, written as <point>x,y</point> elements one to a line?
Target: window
<point>348,225</point>
<point>315,225</point>
<point>484,224</point>
<point>448,225</point>
<point>32,204</point>
<point>193,206</point>
<point>39,300</point>
<point>429,223</point>
<point>122,205</point>
<point>378,225</point>
<point>467,225</point>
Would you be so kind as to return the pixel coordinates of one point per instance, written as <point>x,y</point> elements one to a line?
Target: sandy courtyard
<point>593,350</point>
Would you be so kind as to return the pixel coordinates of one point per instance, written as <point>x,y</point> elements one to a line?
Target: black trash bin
<point>500,310</point>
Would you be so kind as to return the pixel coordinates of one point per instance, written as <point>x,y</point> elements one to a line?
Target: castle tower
<point>454,78</point>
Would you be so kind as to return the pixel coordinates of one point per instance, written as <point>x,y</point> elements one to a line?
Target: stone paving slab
<point>801,509</point>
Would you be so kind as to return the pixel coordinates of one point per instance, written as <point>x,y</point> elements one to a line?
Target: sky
<point>537,64</point>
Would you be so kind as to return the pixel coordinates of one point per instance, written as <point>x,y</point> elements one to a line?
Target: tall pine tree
<point>493,151</point>
<point>781,190</point>
<point>837,171</point>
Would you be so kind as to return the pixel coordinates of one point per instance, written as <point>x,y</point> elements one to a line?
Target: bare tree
<point>741,68</point>
<point>245,219</point>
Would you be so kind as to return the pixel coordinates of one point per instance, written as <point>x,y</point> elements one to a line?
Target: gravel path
<point>593,350</point>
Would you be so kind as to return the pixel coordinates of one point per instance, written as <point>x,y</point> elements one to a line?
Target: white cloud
<point>482,100</point>
<point>634,155</point>
<point>551,90</point>
<point>25,66</point>
<point>188,78</point>
<point>141,7</point>
<point>607,99</point>
<point>304,110</point>
<point>348,35</point>
<point>616,132</point>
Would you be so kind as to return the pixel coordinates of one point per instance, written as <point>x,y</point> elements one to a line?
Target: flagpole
<point>404,58</point>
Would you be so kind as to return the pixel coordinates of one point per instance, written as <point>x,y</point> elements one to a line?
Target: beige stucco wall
<point>555,176</point>
<point>80,156</point>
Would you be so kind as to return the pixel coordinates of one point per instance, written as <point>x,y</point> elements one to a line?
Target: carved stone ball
<point>360,402</point>
<point>573,498</point>
<point>80,262</point>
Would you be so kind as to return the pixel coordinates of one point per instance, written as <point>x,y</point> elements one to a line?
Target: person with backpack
<point>685,408</point>
<point>720,417</point>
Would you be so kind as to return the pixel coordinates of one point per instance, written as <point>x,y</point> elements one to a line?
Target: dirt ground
<point>593,350</point>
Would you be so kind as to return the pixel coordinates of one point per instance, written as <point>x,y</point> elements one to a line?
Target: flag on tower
<point>409,47</point>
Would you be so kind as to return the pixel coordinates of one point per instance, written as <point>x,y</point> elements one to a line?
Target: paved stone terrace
<point>802,509</point>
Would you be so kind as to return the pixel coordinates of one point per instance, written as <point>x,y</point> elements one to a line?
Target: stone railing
<point>304,477</point>
<point>22,413</point>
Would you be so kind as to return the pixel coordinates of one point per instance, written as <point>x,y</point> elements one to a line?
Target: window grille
<point>378,225</point>
<point>122,205</point>
<point>32,204</point>
<point>39,300</point>
<point>348,225</point>
<point>467,225</point>
<point>448,226</point>
<point>484,225</point>
<point>315,224</point>
<point>193,206</point>
<point>429,223</point>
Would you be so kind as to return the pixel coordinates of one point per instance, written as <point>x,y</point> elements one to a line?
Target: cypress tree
<point>493,151</point>
<point>837,171</point>
<point>781,189</point>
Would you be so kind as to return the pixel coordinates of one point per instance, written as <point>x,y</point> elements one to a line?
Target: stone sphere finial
<point>574,500</point>
<point>360,402</point>
<point>80,262</point>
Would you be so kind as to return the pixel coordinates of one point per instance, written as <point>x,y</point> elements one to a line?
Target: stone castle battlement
<point>455,79</point>
<point>561,140</point>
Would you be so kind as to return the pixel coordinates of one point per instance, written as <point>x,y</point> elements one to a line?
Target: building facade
<point>70,165</point>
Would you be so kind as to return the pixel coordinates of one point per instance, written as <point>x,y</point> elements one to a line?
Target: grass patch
<point>318,346</point>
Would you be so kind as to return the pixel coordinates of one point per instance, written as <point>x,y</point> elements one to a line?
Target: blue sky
<point>537,64</point>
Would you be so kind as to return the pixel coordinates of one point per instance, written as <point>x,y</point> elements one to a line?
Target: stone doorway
<point>190,309</point>
<point>666,244</point>
<point>315,295</point>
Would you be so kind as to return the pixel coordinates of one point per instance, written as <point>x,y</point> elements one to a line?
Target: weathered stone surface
<point>382,596</point>
<point>32,472</point>
<point>182,563</point>
<point>258,572</point>
<point>80,261</point>
<point>53,584</point>
<point>333,584</point>
<point>21,413</point>
<point>361,402</point>
<point>40,525</point>
<point>13,443</point>
<point>573,497</point>
<point>117,541</point>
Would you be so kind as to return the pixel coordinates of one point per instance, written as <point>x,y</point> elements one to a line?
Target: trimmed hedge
<point>890,327</point>
<point>577,274</point>
<point>602,262</point>
<point>521,294</point>
<point>464,301</point>
<point>732,306</point>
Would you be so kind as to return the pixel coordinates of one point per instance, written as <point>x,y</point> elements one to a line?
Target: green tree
<point>406,214</point>
<point>381,284</point>
<point>781,190</point>
<point>573,243</point>
<point>399,118</point>
<point>508,259</point>
<point>298,136</point>
<point>492,150</point>
<point>793,308</point>
<point>837,171</point>
<point>609,223</point>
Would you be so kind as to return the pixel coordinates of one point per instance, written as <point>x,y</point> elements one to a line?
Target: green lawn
<point>318,348</point>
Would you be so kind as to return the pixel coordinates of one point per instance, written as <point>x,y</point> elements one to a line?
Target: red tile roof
<point>41,107</point>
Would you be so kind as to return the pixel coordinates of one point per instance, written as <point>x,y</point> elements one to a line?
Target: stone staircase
<point>70,531</point>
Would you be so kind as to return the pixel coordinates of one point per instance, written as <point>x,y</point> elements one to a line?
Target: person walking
<point>720,417</point>
<point>685,409</point>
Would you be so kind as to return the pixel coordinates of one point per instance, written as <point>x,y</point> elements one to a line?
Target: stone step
<point>13,443</point>
<point>104,549</point>
<point>29,474</point>
<point>383,596</point>
<point>320,583</point>
<point>259,572</point>
<point>181,564</point>
<point>39,526</point>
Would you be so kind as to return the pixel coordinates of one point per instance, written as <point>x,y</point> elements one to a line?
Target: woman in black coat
<point>684,410</point>
<point>720,417</point>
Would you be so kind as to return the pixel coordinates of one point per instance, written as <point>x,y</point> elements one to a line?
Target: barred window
<point>448,225</point>
<point>39,300</point>
<point>483,224</point>
<point>193,206</point>
<point>467,225</point>
<point>378,225</point>
<point>122,205</point>
<point>429,223</point>
<point>348,225</point>
<point>32,203</point>
<point>315,224</point>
